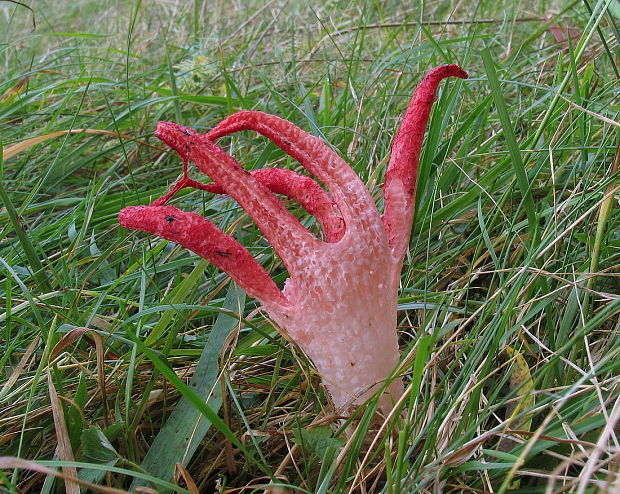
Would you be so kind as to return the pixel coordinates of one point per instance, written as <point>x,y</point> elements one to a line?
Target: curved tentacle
<point>301,189</point>
<point>402,172</point>
<point>350,195</point>
<point>293,185</point>
<point>199,235</point>
<point>283,231</point>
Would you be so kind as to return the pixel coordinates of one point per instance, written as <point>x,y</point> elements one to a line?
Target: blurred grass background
<point>510,293</point>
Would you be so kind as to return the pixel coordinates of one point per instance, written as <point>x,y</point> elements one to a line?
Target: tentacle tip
<point>176,136</point>
<point>449,70</point>
<point>166,130</point>
<point>129,217</point>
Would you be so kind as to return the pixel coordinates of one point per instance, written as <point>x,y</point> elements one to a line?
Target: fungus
<point>339,302</point>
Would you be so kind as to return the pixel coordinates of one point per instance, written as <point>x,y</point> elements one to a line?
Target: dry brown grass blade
<point>15,90</point>
<point>9,462</point>
<point>598,116</point>
<point>62,436</point>
<point>189,481</point>
<point>465,452</point>
<point>70,338</point>
<point>18,147</point>
<point>20,367</point>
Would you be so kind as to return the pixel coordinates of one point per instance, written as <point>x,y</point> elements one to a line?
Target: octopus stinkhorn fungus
<point>339,302</point>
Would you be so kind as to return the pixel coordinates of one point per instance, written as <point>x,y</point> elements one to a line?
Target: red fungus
<point>339,302</point>
<point>303,190</point>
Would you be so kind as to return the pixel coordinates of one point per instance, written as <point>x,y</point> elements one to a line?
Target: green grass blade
<point>513,147</point>
<point>190,395</point>
<point>186,426</point>
<point>178,296</point>
<point>38,270</point>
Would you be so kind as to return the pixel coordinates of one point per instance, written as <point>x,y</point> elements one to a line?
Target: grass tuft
<point>510,295</point>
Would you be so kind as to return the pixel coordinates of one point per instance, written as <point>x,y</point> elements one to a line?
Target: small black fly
<point>170,219</point>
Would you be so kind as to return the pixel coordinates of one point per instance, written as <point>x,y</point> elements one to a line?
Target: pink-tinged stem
<point>303,190</point>
<point>349,193</point>
<point>199,235</point>
<point>402,172</point>
<point>339,303</point>
<point>344,306</point>
<point>283,231</point>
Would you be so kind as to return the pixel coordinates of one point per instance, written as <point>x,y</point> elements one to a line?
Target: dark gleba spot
<point>223,253</point>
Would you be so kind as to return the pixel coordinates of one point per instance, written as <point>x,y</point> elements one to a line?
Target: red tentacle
<point>199,235</point>
<point>303,190</point>
<point>402,172</point>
